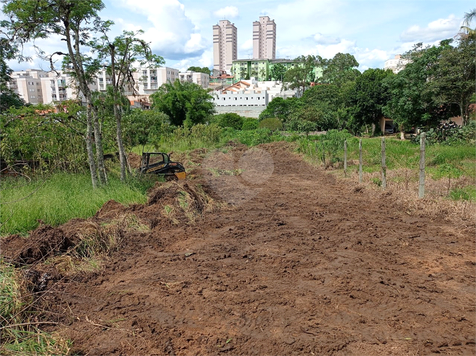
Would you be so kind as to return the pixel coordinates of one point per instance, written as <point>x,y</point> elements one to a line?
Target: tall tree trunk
<point>90,150</point>
<point>463,113</point>
<point>120,145</point>
<point>117,114</point>
<point>99,148</point>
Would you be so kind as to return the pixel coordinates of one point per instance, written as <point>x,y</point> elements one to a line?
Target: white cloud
<point>436,30</point>
<point>247,45</point>
<point>344,46</point>
<point>171,33</point>
<point>325,40</point>
<point>371,58</point>
<point>226,13</point>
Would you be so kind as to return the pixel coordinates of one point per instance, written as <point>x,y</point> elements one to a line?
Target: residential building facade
<point>264,38</point>
<point>396,64</point>
<point>198,78</point>
<point>262,69</point>
<point>36,86</point>
<point>225,45</point>
<point>27,84</point>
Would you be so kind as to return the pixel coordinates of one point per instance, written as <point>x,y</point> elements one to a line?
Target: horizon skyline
<point>181,31</point>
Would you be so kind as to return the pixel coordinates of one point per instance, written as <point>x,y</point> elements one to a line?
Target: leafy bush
<point>449,136</point>
<point>271,123</point>
<point>229,120</point>
<point>250,124</point>
<point>301,125</point>
<point>257,137</point>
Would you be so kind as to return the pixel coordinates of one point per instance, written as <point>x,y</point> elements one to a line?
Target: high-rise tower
<point>224,45</point>
<point>264,38</point>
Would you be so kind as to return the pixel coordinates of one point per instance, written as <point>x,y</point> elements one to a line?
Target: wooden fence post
<point>323,154</point>
<point>345,158</point>
<point>384,167</point>
<point>360,161</point>
<point>421,188</point>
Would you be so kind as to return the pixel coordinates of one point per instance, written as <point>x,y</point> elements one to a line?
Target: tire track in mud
<point>310,265</point>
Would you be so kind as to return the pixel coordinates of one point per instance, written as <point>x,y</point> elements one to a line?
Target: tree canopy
<point>184,103</point>
<point>205,70</point>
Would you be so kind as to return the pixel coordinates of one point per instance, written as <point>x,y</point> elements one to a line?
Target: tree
<point>368,98</point>
<point>301,75</point>
<point>453,81</point>
<point>184,103</point>
<point>280,108</point>
<point>468,18</point>
<point>74,22</point>
<point>205,70</point>
<point>7,97</point>
<point>118,57</point>
<point>142,127</point>
<point>278,71</point>
<point>411,102</point>
<point>340,69</point>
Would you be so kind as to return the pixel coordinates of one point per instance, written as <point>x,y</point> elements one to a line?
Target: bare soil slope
<point>306,265</point>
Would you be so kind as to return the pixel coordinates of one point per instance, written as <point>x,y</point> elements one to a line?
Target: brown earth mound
<point>303,264</point>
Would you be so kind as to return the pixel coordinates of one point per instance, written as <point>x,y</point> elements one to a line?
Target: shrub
<point>229,120</point>
<point>301,125</point>
<point>271,123</point>
<point>250,124</point>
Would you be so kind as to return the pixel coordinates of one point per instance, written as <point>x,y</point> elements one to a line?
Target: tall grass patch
<point>58,198</point>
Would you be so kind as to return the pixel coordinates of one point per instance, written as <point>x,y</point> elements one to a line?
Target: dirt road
<point>304,264</point>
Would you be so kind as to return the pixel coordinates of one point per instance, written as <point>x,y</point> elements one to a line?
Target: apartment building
<point>27,84</point>
<point>36,86</point>
<point>150,79</point>
<point>201,79</point>
<point>264,38</point>
<point>225,45</point>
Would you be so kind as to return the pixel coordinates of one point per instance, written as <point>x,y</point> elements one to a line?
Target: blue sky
<point>371,30</point>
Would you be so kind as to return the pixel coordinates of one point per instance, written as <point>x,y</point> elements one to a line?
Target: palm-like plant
<point>468,17</point>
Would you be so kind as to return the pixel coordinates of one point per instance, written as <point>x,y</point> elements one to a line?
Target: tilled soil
<point>304,265</point>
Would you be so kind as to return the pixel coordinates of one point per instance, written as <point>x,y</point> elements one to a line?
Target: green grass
<point>209,137</point>
<point>466,193</point>
<point>448,162</point>
<point>457,160</point>
<point>59,198</point>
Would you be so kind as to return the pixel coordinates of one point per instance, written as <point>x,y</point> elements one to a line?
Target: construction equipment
<point>159,163</point>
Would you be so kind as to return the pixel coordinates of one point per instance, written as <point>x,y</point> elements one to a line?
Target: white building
<point>396,64</point>
<point>251,93</point>
<point>201,79</point>
<point>40,87</point>
<point>225,46</point>
<point>264,38</point>
<point>27,84</point>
